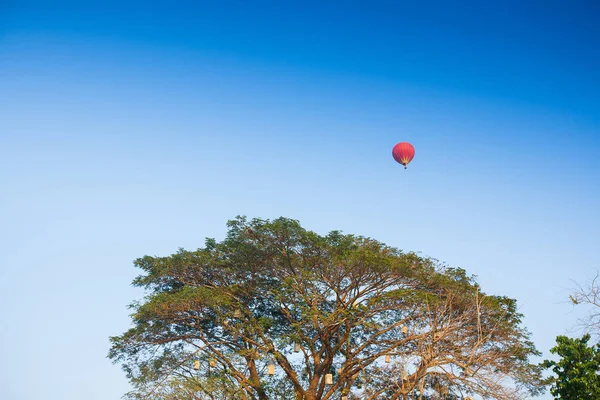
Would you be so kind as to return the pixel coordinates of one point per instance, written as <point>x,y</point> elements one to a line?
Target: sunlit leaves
<point>345,301</point>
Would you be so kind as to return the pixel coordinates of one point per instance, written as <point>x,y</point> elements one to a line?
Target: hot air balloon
<point>403,153</point>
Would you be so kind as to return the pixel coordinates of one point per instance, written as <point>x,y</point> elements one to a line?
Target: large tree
<point>275,311</point>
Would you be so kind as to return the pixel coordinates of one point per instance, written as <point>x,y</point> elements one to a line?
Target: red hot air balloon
<point>403,153</point>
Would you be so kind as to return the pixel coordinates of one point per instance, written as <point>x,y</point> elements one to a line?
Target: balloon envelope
<point>403,153</point>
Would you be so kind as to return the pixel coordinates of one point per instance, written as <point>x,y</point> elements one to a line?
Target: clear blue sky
<point>136,129</point>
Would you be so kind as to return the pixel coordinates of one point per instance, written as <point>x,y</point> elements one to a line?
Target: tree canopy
<point>275,311</point>
<point>576,370</point>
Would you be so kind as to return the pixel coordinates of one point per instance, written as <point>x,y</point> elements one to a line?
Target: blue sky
<point>133,129</point>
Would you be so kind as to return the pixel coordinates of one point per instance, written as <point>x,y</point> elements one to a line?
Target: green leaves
<point>576,372</point>
<point>347,301</point>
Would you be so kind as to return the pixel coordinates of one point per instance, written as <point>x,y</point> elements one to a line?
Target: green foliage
<point>347,301</point>
<point>575,374</point>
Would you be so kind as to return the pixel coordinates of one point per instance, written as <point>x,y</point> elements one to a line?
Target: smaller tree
<point>576,371</point>
<point>588,295</point>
